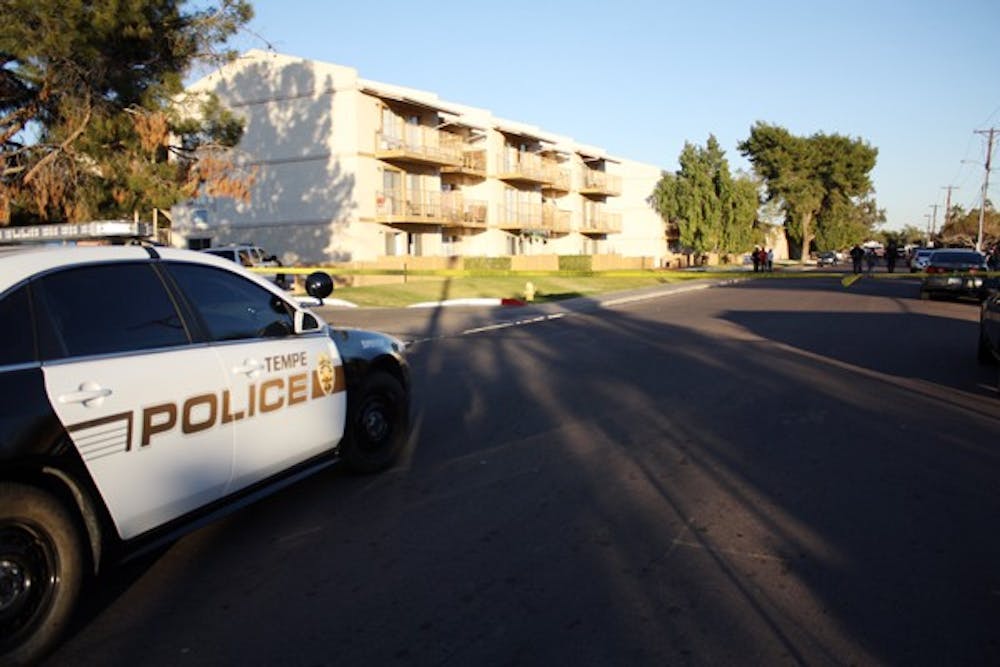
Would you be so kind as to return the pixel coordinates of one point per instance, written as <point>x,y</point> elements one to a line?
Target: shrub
<point>487,263</point>
<point>575,263</point>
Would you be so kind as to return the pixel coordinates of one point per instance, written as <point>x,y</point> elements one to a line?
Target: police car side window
<point>232,307</point>
<point>109,308</point>
<point>16,341</point>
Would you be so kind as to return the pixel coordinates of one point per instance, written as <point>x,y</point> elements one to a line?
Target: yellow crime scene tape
<point>845,280</point>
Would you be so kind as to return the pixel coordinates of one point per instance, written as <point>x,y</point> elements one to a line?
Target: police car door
<point>139,402</point>
<point>287,401</point>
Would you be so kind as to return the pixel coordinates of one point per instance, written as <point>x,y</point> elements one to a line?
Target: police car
<point>143,390</point>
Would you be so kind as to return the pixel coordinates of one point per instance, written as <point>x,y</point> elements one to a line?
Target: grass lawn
<point>547,287</point>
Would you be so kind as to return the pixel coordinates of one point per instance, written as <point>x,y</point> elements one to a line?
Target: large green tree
<point>91,119</point>
<point>712,210</point>
<point>843,222</point>
<point>912,235</point>
<point>817,178</point>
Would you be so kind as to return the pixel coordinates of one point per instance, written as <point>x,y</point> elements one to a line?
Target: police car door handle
<point>90,394</point>
<point>250,367</point>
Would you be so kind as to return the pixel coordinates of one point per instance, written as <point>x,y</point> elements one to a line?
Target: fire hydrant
<point>529,291</point>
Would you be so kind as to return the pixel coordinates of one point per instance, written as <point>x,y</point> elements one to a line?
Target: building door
<point>413,139</point>
<point>391,129</point>
<point>390,203</point>
<point>415,196</point>
<point>415,244</point>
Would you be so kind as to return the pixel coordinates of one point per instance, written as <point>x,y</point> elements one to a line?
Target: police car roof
<point>18,263</point>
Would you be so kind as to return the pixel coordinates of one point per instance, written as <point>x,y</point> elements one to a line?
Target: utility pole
<point>947,204</point>
<point>986,183</point>
<point>933,219</point>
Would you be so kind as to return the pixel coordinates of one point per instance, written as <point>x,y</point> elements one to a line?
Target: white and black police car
<point>146,390</point>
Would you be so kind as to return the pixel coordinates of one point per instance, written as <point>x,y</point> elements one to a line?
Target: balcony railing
<point>600,183</point>
<point>599,221</point>
<point>393,206</point>
<point>460,212</point>
<point>516,165</point>
<point>555,219</point>
<point>430,207</point>
<point>473,164</point>
<point>520,216</point>
<point>422,145</point>
<point>556,176</point>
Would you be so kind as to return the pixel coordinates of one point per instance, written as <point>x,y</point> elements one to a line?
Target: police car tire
<point>376,427</point>
<point>37,534</point>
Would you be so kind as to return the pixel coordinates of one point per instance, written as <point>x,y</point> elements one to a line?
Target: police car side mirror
<point>305,322</point>
<point>319,285</point>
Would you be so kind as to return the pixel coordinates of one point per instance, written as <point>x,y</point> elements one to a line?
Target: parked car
<point>149,389</point>
<point>918,261</point>
<point>827,258</point>
<point>954,272</point>
<point>252,257</point>
<point>989,326</point>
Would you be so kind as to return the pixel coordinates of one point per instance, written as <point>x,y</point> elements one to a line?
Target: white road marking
<point>720,551</point>
<point>555,316</point>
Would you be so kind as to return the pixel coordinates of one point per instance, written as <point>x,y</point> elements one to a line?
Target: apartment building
<point>352,170</point>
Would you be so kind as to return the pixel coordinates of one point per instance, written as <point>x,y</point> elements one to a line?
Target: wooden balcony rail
<point>461,212</point>
<point>600,182</point>
<point>556,176</point>
<point>601,222</point>
<point>473,164</point>
<point>520,165</point>
<point>555,219</point>
<point>419,144</point>
<point>520,216</point>
<point>418,206</point>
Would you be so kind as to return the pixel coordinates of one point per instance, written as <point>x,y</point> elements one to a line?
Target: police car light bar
<point>80,231</point>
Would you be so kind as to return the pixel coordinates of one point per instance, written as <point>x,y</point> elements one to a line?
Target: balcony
<point>421,207</point>
<point>598,221</point>
<point>520,217</point>
<point>473,164</point>
<point>556,176</point>
<point>600,183</point>
<point>460,212</point>
<point>555,220</point>
<point>419,145</point>
<point>521,166</point>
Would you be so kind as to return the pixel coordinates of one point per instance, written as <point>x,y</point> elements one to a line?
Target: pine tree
<point>93,120</point>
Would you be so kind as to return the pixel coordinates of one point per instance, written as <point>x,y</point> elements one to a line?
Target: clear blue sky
<point>640,78</point>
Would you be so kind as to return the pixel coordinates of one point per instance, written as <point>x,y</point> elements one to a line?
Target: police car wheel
<point>41,570</point>
<point>377,424</point>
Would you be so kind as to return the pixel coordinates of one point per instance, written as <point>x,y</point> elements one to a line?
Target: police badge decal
<point>325,374</point>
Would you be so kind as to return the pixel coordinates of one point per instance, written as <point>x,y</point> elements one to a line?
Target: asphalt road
<point>773,472</point>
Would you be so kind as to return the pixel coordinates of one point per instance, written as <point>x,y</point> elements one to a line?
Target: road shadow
<point>629,486</point>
